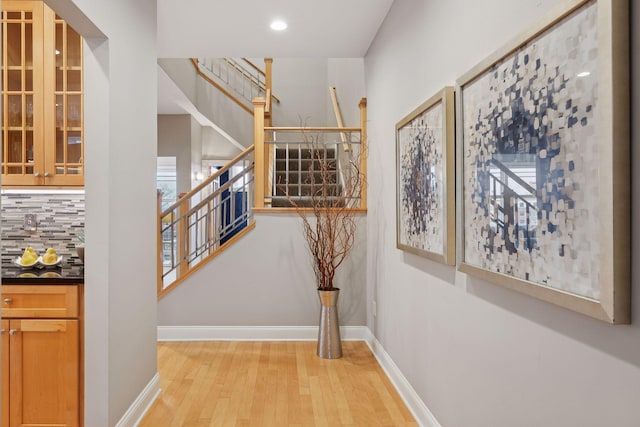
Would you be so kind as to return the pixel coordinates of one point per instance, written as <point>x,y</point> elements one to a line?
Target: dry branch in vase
<point>331,196</point>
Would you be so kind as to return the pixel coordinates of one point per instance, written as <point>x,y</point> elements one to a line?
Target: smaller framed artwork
<point>425,179</point>
<point>543,162</point>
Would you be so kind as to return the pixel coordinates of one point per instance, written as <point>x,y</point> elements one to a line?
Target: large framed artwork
<point>425,223</point>
<point>543,162</point>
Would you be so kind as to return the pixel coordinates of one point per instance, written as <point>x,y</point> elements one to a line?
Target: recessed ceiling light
<point>584,74</point>
<point>278,25</point>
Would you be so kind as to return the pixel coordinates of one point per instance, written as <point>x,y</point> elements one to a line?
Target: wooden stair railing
<point>266,141</point>
<point>205,221</point>
<point>207,71</point>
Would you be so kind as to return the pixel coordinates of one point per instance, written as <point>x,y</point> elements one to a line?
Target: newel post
<point>364,151</point>
<point>258,152</point>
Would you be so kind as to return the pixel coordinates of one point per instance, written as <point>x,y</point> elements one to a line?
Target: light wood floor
<point>281,384</point>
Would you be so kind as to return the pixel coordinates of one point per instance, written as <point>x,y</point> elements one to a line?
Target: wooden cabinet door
<point>42,140</point>
<point>44,377</point>
<point>22,88</point>
<point>4,332</point>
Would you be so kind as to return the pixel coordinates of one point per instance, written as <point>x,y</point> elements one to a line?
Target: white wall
<point>265,279</point>
<point>121,140</point>
<point>347,75</point>
<point>196,149</point>
<point>174,139</point>
<point>222,111</point>
<point>302,84</point>
<point>303,88</point>
<point>479,354</point>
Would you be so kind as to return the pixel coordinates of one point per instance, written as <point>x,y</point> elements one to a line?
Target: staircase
<point>287,167</point>
<point>304,174</point>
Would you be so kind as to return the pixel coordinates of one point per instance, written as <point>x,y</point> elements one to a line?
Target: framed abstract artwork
<point>543,162</point>
<point>425,223</point>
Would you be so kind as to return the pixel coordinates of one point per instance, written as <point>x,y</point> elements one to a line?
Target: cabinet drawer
<point>39,301</point>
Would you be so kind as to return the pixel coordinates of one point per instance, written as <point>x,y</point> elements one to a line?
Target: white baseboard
<point>254,333</point>
<point>421,413</point>
<point>141,405</point>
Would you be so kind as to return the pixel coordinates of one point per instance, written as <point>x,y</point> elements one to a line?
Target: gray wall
<point>265,279</point>
<point>302,84</point>
<point>303,88</point>
<point>347,75</point>
<point>120,179</point>
<point>476,353</point>
<point>174,139</point>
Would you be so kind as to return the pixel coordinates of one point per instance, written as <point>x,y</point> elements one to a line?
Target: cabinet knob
<point>2,331</point>
<point>47,174</point>
<point>37,174</point>
<point>13,331</point>
<point>8,300</point>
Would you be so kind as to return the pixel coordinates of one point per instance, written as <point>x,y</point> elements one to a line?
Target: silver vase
<point>329,343</point>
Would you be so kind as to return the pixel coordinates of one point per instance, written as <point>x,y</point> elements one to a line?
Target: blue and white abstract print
<point>420,187</point>
<point>530,161</point>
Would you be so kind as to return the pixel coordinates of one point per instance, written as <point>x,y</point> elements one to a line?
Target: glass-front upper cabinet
<point>42,124</point>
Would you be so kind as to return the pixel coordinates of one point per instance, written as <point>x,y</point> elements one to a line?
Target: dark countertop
<point>65,274</point>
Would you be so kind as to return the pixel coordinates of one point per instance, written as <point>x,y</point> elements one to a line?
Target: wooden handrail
<point>319,129</point>
<point>336,110</point>
<point>231,96</point>
<point>363,151</point>
<point>267,76</point>
<point>267,107</point>
<point>254,66</point>
<point>206,181</point>
<point>242,71</point>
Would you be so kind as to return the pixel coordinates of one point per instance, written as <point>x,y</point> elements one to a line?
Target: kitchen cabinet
<point>41,348</point>
<point>42,97</point>
<point>4,332</point>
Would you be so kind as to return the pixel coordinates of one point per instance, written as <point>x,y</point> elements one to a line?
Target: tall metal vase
<point>329,343</point>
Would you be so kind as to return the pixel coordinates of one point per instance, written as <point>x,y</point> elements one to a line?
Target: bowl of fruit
<point>28,259</point>
<point>50,258</point>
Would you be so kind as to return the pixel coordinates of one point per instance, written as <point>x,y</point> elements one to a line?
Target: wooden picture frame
<point>425,179</point>
<point>543,162</point>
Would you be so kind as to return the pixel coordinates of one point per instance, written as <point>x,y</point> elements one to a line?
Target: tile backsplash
<point>59,216</point>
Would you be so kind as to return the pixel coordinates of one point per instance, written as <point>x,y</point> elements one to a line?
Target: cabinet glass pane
<point>74,82</point>
<point>74,48</point>
<point>14,110</point>
<point>14,146</point>
<point>13,15</point>
<point>59,57</point>
<point>14,170</point>
<point>29,143</point>
<point>28,57</point>
<point>59,147</point>
<point>59,80</point>
<point>74,111</point>
<point>74,147</point>
<point>59,45</point>
<point>14,80</point>
<point>29,118</point>
<point>14,44</point>
<point>59,112</point>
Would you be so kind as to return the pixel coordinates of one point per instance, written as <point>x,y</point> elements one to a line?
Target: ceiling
<point>240,28</point>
